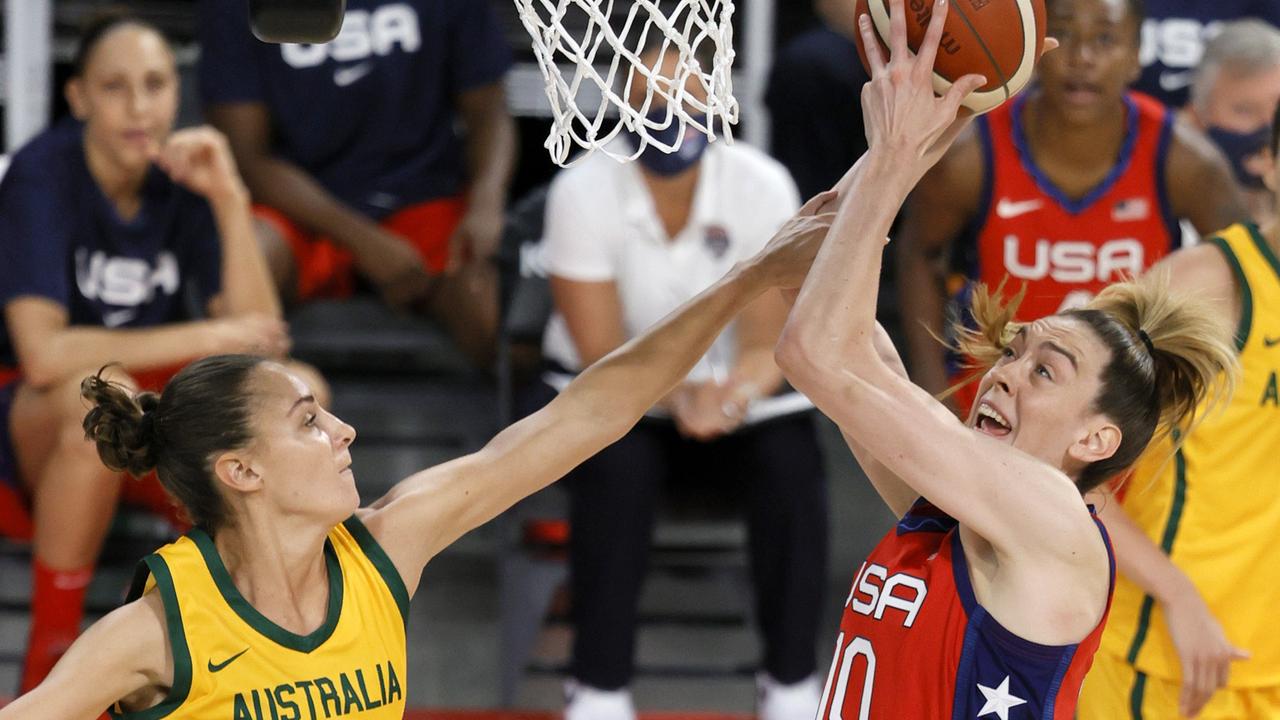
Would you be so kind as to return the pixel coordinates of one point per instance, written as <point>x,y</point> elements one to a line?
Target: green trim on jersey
<point>258,621</point>
<point>1166,546</point>
<point>1264,248</point>
<point>1246,294</point>
<point>386,568</point>
<point>158,569</point>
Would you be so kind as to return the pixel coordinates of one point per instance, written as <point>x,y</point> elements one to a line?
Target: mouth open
<point>991,422</point>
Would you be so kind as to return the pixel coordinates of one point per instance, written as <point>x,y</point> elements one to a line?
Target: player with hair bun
<point>992,591</point>
<point>289,599</point>
<point>123,241</point>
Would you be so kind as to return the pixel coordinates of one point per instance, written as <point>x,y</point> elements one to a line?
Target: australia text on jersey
<point>351,693</point>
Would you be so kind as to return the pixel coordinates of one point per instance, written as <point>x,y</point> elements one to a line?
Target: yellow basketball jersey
<point>1214,507</point>
<point>232,663</point>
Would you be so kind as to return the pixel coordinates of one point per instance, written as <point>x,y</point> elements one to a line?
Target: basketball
<point>998,39</point>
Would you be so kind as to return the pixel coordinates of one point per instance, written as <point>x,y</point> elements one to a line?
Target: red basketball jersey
<point>915,643</point>
<point>1065,251</point>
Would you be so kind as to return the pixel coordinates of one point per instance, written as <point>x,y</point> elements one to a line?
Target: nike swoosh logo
<point>215,667</point>
<point>1271,341</point>
<point>343,77</point>
<point>1007,209</point>
<point>116,318</point>
<point>1173,81</point>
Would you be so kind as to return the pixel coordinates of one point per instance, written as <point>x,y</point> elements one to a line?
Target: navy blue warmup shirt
<point>61,239</point>
<point>371,115</point>
<point>1173,38</point>
<point>814,100</point>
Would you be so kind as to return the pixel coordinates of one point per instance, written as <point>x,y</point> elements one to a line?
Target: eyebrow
<point>1075,364</point>
<point>300,401</point>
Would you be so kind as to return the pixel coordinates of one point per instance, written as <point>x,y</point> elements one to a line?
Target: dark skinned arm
<point>491,147</point>
<point>937,211</point>
<point>384,258</point>
<point>1201,186</point>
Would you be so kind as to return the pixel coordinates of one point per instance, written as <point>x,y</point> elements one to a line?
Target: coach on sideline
<point>1233,97</point>
<point>625,244</point>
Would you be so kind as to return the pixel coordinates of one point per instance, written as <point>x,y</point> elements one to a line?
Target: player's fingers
<point>1202,687</point>
<point>932,37</point>
<point>961,89</point>
<point>871,46</point>
<point>817,201</point>
<point>1240,653</point>
<point>1222,673</point>
<point>1050,44</point>
<point>1187,691</point>
<point>898,31</point>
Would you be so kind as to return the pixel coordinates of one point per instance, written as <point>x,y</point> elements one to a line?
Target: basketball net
<point>591,48</point>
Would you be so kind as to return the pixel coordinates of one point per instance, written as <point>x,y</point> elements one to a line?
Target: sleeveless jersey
<point>232,663</point>
<point>1214,508</point>
<point>1067,250</point>
<point>915,643</point>
<point>1064,251</point>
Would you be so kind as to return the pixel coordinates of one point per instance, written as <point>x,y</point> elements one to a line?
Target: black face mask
<point>1239,147</point>
<point>668,164</point>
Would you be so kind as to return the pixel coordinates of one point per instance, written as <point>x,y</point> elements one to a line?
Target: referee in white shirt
<point>625,244</point>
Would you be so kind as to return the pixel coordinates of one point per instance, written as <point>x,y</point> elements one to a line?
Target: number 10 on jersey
<point>842,669</point>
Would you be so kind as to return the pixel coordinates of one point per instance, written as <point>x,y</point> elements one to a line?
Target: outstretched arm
<point>123,654</point>
<point>428,511</point>
<point>828,348</point>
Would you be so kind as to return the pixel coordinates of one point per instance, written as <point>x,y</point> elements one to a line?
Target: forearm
<point>433,508</point>
<point>628,381</point>
<point>80,348</point>
<point>246,281</point>
<point>491,153</point>
<point>1140,559</point>
<point>757,371</point>
<point>285,187</point>
<point>923,307</point>
<point>834,314</point>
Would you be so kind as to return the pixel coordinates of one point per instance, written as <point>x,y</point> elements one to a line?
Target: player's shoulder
<point>1190,148</point>
<point>1201,267</point>
<point>48,156</point>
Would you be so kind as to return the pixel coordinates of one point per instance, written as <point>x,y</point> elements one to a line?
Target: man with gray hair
<point>1233,97</point>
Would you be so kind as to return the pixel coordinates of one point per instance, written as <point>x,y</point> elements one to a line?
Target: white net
<point>589,49</point>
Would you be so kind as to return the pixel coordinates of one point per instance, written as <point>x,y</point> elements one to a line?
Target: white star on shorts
<point>998,700</point>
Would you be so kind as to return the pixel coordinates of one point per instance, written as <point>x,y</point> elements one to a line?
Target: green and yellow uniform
<point>1214,508</point>
<point>232,663</point>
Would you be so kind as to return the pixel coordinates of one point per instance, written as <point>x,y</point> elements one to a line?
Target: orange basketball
<point>999,39</point>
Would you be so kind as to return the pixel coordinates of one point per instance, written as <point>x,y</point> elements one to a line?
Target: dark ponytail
<point>203,411</point>
<point>122,425</point>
